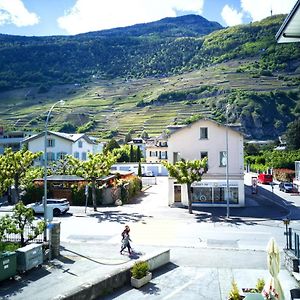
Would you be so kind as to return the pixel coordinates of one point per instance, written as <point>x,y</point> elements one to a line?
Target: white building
<point>157,149</point>
<point>207,138</point>
<point>139,142</point>
<point>60,144</point>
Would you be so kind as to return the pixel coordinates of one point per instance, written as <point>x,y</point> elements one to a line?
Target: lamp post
<point>227,166</point>
<point>286,222</point>
<point>46,163</point>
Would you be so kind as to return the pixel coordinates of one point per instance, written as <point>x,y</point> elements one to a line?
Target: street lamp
<point>227,165</point>
<point>46,163</point>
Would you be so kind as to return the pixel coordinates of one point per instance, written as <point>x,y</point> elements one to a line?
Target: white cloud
<point>91,15</point>
<point>231,16</point>
<point>258,9</point>
<point>14,12</point>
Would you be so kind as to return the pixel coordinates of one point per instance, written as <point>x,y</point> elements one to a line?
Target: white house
<point>207,138</point>
<point>60,144</point>
<point>139,142</point>
<point>157,149</point>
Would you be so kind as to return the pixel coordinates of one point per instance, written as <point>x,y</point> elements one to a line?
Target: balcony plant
<point>140,274</point>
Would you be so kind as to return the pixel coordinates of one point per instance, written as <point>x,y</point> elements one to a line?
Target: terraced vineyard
<point>113,105</point>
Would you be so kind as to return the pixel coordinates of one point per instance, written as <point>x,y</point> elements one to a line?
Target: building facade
<point>207,138</point>
<point>61,144</point>
<point>156,150</point>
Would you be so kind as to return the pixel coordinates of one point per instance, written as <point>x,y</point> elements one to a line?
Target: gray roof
<point>289,31</point>
<point>73,137</point>
<point>61,178</point>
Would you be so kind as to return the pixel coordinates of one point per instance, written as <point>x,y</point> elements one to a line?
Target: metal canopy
<point>289,31</point>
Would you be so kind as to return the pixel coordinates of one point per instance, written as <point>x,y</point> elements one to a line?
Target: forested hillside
<point>147,76</point>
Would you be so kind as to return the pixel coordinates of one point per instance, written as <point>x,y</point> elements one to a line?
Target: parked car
<point>287,187</point>
<point>59,206</point>
<point>265,178</point>
<point>148,174</point>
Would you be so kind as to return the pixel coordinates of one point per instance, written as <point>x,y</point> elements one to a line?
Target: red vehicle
<point>265,178</point>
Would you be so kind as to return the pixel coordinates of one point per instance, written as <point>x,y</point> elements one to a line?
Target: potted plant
<point>140,274</point>
<point>234,293</point>
<point>258,288</point>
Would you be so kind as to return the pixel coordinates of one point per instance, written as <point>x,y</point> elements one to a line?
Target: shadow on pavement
<point>120,217</point>
<point>13,287</point>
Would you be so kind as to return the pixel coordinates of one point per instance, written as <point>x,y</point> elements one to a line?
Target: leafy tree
<point>293,135</point>
<point>14,166</point>
<point>128,138</point>
<point>97,166</point>
<point>65,166</point>
<point>187,172</point>
<point>112,144</point>
<point>21,218</point>
<point>144,135</point>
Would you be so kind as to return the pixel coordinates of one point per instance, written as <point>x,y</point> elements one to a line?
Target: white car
<point>59,206</point>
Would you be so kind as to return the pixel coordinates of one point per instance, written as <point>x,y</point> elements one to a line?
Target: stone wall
<point>291,262</point>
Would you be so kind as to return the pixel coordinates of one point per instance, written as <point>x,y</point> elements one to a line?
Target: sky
<point>69,17</point>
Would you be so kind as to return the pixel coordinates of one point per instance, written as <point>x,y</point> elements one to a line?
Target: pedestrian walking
<point>126,240</point>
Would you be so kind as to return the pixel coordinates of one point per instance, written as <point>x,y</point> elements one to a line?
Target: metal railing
<point>16,237</point>
<point>292,242</point>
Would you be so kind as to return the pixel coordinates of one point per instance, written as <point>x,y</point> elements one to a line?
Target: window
<point>83,156</point>
<point>80,144</point>
<point>203,133</point>
<point>50,143</point>
<point>223,158</point>
<point>176,157</point>
<point>61,155</point>
<point>203,154</point>
<point>50,156</point>
<point>76,155</point>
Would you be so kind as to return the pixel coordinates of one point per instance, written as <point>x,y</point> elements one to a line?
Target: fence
<point>292,242</point>
<point>16,238</point>
<point>149,180</point>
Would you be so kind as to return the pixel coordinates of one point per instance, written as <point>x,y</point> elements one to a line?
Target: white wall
<point>187,141</point>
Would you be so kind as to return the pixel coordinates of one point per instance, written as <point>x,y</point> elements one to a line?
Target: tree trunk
<point>189,198</point>
<point>94,195</point>
<point>16,179</point>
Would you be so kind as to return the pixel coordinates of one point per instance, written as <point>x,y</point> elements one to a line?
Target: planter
<point>137,283</point>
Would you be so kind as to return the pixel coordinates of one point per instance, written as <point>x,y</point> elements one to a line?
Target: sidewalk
<point>193,273</point>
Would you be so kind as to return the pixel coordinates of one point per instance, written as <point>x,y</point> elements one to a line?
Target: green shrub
<point>234,293</point>
<point>260,284</point>
<point>140,269</point>
<point>33,194</point>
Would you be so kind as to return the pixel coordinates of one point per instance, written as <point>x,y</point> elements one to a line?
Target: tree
<point>112,144</point>
<point>144,135</point>
<point>293,135</point>
<point>140,170</point>
<point>128,138</point>
<point>138,154</point>
<point>131,154</point>
<point>13,168</point>
<point>21,218</point>
<point>187,172</point>
<point>97,166</point>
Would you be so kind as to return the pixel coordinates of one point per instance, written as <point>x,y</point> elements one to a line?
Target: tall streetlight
<point>46,162</point>
<point>227,165</point>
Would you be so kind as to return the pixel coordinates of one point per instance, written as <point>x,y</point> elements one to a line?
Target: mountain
<point>147,76</point>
